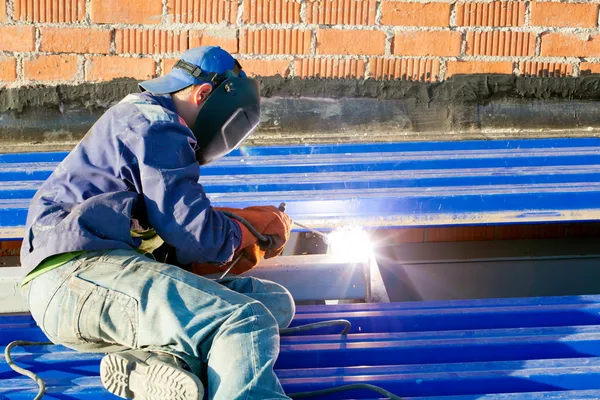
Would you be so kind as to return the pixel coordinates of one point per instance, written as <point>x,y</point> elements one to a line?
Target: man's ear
<point>200,94</point>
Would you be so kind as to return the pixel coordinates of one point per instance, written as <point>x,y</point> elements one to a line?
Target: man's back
<point>125,173</point>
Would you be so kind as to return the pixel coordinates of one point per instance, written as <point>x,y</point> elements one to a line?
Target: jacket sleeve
<point>176,203</point>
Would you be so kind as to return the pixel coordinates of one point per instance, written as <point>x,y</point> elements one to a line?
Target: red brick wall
<point>57,41</point>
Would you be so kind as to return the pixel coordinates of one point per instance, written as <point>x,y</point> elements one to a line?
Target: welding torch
<point>311,230</point>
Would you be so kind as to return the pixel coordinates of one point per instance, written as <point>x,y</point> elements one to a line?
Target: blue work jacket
<point>136,167</point>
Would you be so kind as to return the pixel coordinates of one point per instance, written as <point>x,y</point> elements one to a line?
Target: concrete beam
<point>296,111</point>
<point>316,277</point>
<point>307,277</point>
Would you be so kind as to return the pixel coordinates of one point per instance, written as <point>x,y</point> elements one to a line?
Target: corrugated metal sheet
<point>395,184</point>
<point>536,348</point>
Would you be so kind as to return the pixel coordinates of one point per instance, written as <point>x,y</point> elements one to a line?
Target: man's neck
<point>185,110</point>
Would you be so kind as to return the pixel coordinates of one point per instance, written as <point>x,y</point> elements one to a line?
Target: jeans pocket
<point>63,310</point>
<point>106,316</point>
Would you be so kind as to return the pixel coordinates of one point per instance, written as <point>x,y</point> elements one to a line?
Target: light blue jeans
<point>226,331</point>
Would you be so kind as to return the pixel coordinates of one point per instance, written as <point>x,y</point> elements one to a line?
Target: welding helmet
<point>231,112</point>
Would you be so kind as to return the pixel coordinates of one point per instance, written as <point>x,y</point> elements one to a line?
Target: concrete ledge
<point>11,300</point>
<point>307,277</point>
<point>337,111</point>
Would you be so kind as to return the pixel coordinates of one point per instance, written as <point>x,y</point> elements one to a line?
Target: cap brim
<point>165,84</point>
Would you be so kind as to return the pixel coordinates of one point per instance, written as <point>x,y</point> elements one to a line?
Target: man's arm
<point>176,203</point>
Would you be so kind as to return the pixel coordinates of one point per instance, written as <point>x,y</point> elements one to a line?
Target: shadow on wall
<point>448,280</point>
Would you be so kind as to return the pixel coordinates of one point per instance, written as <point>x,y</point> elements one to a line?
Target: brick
<point>126,12</point>
<point>17,38</point>
<point>275,41</point>
<point>224,37</point>
<point>341,12</point>
<point>534,68</point>
<point>564,15</point>
<point>75,40</point>
<point>568,45</point>
<point>337,41</point>
<point>61,67</point>
<point>587,68</point>
<point>144,41</point>
<point>111,67</point>
<point>500,43</point>
<point>266,67</point>
<point>49,10</point>
<point>2,11</point>
<point>424,43</point>
<point>478,67</point>
<point>8,70</point>
<point>271,12</point>
<point>167,64</point>
<point>252,67</point>
<point>536,231</point>
<point>202,11</point>
<point>496,13</point>
<point>424,70</point>
<point>459,234</point>
<point>415,14</point>
<point>329,68</point>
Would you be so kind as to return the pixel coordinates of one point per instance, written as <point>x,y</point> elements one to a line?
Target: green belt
<point>49,264</point>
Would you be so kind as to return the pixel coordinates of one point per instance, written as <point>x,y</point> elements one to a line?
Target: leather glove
<point>267,220</point>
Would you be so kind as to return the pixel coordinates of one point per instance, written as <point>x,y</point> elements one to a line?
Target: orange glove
<point>267,220</point>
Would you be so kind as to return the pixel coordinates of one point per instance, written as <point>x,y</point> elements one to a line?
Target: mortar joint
<point>378,13</point>
<point>165,13</point>
<point>576,68</point>
<point>20,73</point>
<point>10,12</point>
<point>367,61</point>
<point>80,76</point>
<point>38,39</point>
<point>303,12</point>
<point>442,76</point>
<point>453,12</point>
<point>389,43</point>
<point>88,12</point>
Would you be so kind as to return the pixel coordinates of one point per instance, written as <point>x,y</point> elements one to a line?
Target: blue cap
<point>208,58</point>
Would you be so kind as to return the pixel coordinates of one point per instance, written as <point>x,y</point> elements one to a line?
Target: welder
<point>118,236</point>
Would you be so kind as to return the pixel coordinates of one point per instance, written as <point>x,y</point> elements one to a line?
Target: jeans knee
<point>283,307</point>
<point>263,317</point>
<point>276,298</point>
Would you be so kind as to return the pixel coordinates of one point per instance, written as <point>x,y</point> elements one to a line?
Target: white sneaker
<point>149,375</point>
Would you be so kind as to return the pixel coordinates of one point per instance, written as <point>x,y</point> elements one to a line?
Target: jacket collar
<point>164,100</point>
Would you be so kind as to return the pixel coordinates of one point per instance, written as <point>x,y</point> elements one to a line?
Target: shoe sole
<point>129,378</point>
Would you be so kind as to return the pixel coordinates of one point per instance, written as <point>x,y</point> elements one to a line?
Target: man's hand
<point>267,220</point>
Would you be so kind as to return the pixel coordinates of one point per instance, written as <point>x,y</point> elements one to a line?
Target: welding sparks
<point>350,242</point>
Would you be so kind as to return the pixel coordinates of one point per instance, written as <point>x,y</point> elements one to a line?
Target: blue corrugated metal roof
<point>395,184</point>
<point>546,347</point>
<point>523,348</point>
